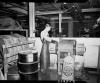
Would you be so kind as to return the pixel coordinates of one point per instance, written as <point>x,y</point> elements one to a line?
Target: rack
<point>7,62</point>
<point>10,59</point>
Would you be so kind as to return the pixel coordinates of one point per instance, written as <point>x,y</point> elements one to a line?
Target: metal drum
<point>28,65</point>
<point>29,76</point>
<point>28,56</point>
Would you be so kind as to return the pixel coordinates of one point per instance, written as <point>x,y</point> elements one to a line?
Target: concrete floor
<point>52,75</point>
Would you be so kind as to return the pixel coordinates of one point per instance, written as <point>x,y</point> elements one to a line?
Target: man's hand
<point>53,41</point>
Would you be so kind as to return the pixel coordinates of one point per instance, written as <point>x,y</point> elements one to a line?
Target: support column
<point>98,66</point>
<point>53,27</point>
<point>60,21</point>
<point>70,28</point>
<point>31,19</point>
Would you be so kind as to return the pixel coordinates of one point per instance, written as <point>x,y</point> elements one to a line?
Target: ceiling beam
<point>44,17</point>
<point>48,12</point>
<point>91,10</point>
<point>57,12</point>
<point>16,5</point>
<point>55,18</point>
<point>2,13</point>
<point>19,10</point>
<point>56,6</point>
<point>9,11</point>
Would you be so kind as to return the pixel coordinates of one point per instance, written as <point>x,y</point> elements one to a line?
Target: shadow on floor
<point>51,75</point>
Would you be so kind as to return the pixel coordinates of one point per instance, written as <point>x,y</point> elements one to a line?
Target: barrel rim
<point>28,72</point>
<point>27,54</point>
<point>29,62</point>
<point>28,51</point>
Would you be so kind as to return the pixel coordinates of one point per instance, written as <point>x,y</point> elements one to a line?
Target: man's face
<point>48,27</point>
<point>98,20</point>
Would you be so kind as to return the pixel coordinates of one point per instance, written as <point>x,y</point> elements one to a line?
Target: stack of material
<point>13,45</point>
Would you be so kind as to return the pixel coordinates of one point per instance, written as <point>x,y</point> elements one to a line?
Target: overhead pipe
<point>10,11</point>
<point>17,6</point>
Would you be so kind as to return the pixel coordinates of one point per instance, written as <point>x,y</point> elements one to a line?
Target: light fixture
<point>64,3</point>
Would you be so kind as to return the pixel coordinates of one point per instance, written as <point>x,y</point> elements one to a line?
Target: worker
<point>97,23</point>
<point>98,20</point>
<point>1,75</point>
<point>45,55</point>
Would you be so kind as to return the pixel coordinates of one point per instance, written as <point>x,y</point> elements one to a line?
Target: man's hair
<point>98,20</point>
<point>48,24</point>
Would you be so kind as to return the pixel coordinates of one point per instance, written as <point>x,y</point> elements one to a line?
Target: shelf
<point>13,29</point>
<point>18,44</point>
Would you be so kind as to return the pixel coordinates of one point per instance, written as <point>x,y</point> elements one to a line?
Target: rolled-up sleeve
<point>45,36</point>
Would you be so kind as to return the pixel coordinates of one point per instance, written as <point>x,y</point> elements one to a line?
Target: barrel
<point>28,65</point>
<point>29,76</point>
<point>27,56</point>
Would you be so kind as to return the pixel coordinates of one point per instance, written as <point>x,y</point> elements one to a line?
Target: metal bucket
<point>28,65</point>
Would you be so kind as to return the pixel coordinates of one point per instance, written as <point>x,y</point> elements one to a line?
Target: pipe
<point>60,21</point>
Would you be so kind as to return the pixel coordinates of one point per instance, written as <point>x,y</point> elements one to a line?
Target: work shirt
<point>45,35</point>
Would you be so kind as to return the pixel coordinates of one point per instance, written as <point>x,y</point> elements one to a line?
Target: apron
<point>45,57</point>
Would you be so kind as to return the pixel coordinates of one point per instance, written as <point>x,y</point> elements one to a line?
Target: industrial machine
<point>70,59</point>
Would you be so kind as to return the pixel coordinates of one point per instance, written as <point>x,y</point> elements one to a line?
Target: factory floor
<point>51,75</point>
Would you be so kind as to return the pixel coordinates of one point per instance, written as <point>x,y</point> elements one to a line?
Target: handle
<point>84,49</point>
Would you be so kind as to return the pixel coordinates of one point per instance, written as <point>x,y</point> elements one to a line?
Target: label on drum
<point>30,57</point>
